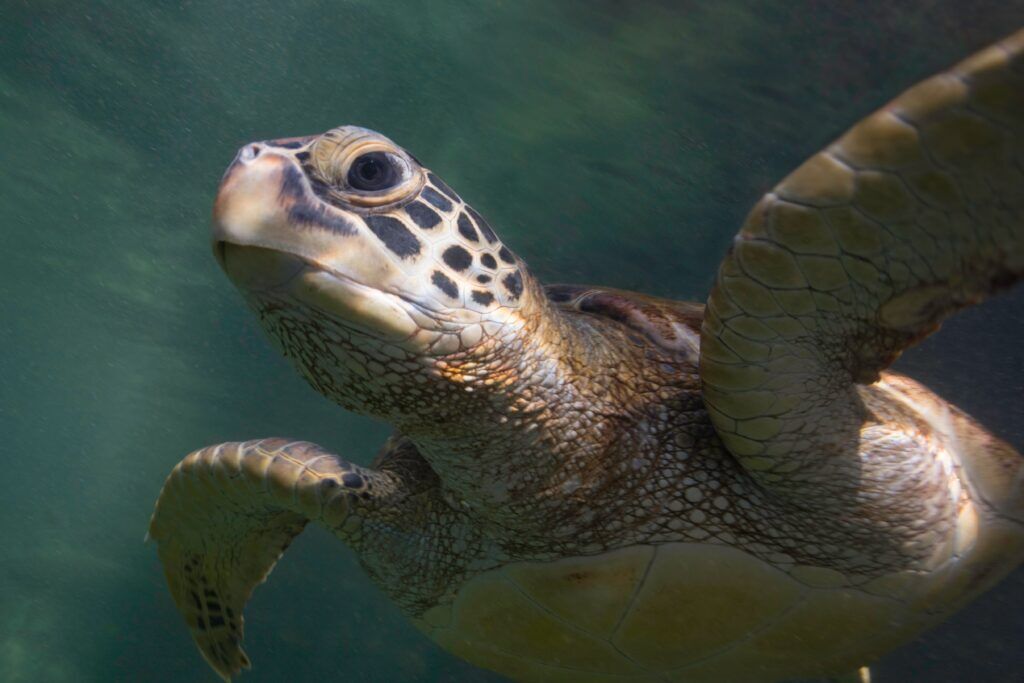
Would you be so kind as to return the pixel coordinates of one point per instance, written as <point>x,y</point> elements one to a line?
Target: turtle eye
<point>373,171</point>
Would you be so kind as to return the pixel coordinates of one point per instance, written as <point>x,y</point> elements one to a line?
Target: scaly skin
<point>536,425</point>
<point>593,440</point>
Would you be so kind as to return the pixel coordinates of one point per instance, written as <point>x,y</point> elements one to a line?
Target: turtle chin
<point>257,269</point>
<point>261,272</point>
<point>380,317</point>
<point>321,296</point>
<point>371,311</point>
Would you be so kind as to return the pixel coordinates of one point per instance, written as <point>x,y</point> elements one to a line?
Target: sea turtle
<point>595,485</point>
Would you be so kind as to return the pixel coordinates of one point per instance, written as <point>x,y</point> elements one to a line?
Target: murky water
<point>609,142</point>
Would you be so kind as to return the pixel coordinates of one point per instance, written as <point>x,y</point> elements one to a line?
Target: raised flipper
<point>915,212</point>
<point>226,514</point>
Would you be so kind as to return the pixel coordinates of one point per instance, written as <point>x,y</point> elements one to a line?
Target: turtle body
<point>587,484</point>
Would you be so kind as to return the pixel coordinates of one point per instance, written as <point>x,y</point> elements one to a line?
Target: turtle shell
<point>700,613</point>
<point>676,612</point>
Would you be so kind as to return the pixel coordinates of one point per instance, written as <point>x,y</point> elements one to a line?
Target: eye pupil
<point>371,172</point>
<point>369,169</point>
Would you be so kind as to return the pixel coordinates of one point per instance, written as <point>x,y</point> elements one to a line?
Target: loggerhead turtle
<point>595,485</point>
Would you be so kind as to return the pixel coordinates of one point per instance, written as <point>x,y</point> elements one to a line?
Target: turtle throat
<point>510,425</point>
<point>497,421</point>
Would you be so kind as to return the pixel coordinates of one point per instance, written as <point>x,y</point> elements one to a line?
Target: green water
<point>611,142</point>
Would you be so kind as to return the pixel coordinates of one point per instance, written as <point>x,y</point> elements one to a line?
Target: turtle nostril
<point>250,152</point>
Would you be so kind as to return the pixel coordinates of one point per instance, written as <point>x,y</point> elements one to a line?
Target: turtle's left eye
<point>373,171</point>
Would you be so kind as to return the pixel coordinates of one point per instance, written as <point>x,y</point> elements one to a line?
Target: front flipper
<point>916,212</point>
<point>226,514</point>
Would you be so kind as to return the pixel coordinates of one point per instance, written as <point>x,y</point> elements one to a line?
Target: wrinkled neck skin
<point>522,412</point>
<point>512,426</point>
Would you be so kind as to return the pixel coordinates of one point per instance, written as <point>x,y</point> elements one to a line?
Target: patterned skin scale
<point>595,485</point>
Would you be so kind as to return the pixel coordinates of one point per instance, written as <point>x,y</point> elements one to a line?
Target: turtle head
<point>347,231</point>
<point>352,225</point>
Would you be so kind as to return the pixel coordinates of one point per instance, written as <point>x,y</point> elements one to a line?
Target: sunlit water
<point>610,142</point>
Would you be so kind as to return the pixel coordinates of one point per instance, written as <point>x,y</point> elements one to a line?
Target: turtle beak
<point>263,181</point>
<point>246,203</point>
<point>252,238</point>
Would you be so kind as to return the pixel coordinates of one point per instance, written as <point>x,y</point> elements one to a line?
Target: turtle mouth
<point>268,272</point>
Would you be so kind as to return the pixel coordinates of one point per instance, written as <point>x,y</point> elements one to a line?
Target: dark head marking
<point>485,228</point>
<point>351,480</point>
<point>513,283</point>
<point>466,228</point>
<point>457,258</point>
<point>321,190</point>
<point>483,279</point>
<point>394,235</point>
<point>436,198</point>
<point>315,216</point>
<point>422,215</point>
<point>482,298</point>
<point>442,282</point>
<point>292,184</point>
<point>440,184</point>
<point>307,214</point>
<point>294,144</point>
<point>505,255</point>
<point>303,157</point>
<point>488,261</point>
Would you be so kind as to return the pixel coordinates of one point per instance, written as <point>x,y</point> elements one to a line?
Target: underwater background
<point>609,142</point>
